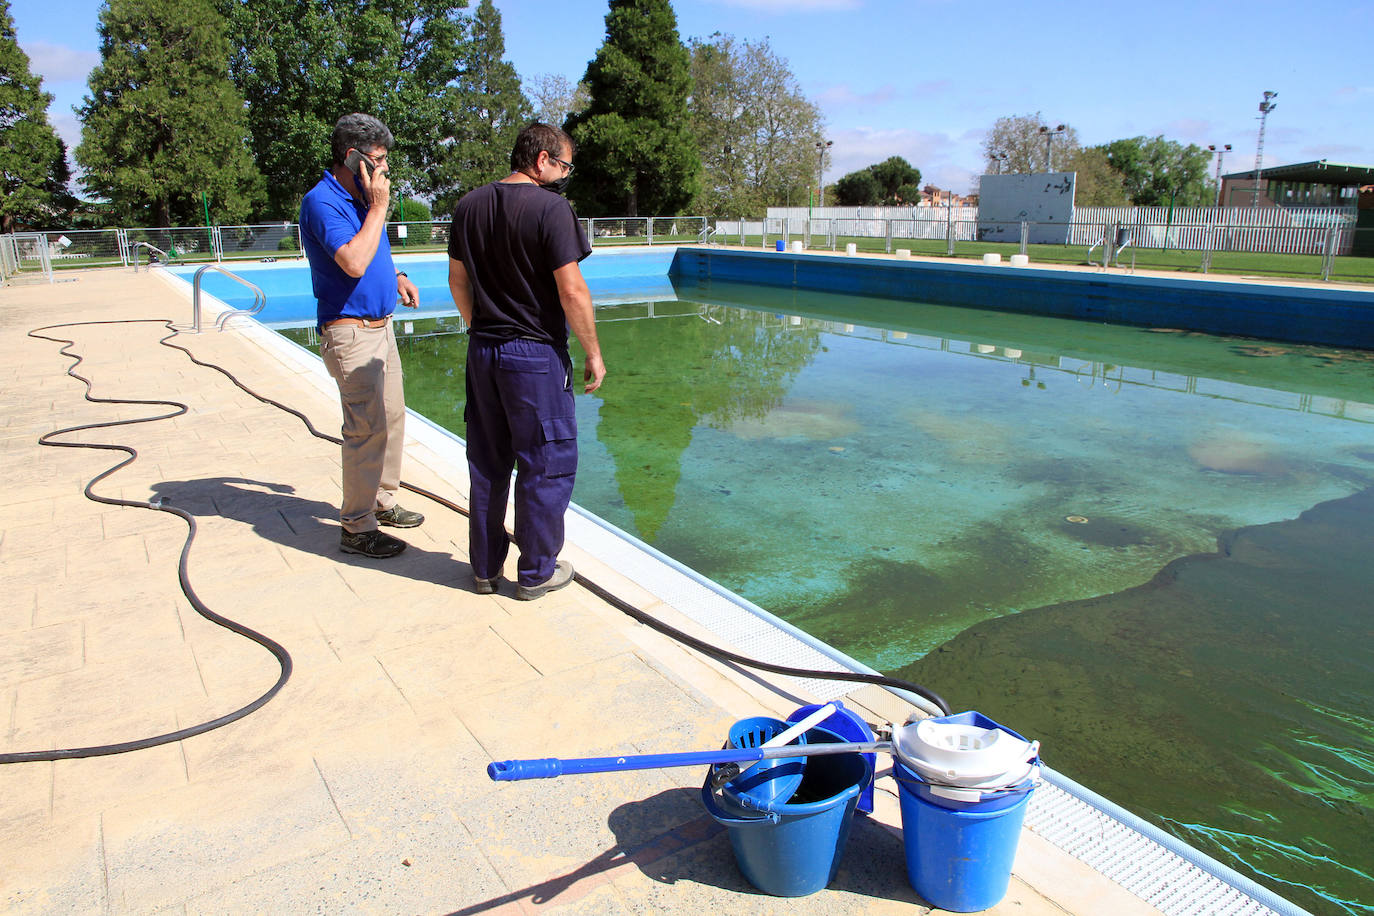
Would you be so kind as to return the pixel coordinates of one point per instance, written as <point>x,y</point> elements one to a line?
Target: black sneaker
<point>562,575</point>
<point>396,517</point>
<point>376,544</point>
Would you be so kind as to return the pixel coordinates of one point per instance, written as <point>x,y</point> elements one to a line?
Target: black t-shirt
<point>511,238</point>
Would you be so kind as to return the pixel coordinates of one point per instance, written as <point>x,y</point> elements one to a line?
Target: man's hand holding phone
<point>375,182</point>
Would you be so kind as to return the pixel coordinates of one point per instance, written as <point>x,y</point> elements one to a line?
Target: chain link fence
<point>1319,243</point>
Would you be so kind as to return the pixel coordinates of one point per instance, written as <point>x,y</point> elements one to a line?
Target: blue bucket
<point>782,246</point>
<point>795,847</point>
<point>959,853</point>
<point>767,782</point>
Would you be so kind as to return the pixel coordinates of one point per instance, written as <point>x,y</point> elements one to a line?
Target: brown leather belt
<point>359,322</point>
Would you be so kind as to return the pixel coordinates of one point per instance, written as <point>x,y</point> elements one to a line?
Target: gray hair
<point>358,131</point>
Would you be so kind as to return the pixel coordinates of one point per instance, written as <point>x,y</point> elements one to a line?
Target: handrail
<point>151,248</point>
<point>259,299</point>
<point>706,234</point>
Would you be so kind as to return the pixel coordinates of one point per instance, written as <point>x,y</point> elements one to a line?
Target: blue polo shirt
<point>330,218</point>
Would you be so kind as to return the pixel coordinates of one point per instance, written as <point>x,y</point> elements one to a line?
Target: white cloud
<point>942,159</point>
<point>844,96</point>
<point>58,63</point>
<point>67,127</point>
<point>1336,152</point>
<point>1190,130</point>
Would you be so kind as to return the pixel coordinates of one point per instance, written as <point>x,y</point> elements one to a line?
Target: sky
<point>926,79</point>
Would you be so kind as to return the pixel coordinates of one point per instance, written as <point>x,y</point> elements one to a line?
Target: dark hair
<point>360,132</point>
<point>539,138</point>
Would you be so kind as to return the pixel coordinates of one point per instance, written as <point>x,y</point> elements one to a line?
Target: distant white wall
<point>1044,200</point>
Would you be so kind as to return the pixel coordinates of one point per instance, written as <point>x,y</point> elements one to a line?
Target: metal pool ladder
<point>259,299</point>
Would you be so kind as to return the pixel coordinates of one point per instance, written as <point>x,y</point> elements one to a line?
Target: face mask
<point>557,187</point>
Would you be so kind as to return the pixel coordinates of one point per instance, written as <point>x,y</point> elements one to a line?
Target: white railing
<point>1271,230</point>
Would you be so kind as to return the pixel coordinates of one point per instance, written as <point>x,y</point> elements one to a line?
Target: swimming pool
<point>941,489</point>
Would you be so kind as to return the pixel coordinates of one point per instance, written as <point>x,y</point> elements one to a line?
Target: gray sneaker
<point>562,575</point>
<point>486,586</point>
<point>396,517</point>
<point>376,544</point>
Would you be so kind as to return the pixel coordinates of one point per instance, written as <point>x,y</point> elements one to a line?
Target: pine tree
<point>487,111</point>
<point>302,64</point>
<point>636,153</point>
<point>33,159</point>
<point>162,124</point>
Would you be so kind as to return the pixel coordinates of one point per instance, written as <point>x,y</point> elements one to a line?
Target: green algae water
<point>1149,549</point>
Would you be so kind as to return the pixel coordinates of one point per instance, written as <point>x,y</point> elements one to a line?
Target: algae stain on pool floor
<point>1229,699</point>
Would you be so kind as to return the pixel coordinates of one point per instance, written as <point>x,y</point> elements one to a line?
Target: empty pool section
<point>1330,316</point>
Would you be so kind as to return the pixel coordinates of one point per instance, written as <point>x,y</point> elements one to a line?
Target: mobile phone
<point>357,160</point>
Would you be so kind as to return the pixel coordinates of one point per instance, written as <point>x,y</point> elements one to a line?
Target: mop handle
<point>802,727</point>
<point>549,767</point>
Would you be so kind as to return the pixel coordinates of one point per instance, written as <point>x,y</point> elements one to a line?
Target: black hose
<point>282,656</point>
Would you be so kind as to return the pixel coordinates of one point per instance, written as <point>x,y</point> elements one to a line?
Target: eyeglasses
<point>566,165</point>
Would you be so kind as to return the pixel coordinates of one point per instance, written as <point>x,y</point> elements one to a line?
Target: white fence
<point>1274,230</point>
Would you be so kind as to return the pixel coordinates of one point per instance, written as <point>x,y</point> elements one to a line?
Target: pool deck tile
<point>361,787</point>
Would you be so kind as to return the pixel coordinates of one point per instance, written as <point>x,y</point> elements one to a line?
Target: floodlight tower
<point>821,147</point>
<point>1221,151</point>
<point>1049,139</point>
<point>1265,106</point>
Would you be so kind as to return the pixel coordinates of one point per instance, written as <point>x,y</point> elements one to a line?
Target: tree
<point>892,182</point>
<point>486,112</point>
<point>555,98</point>
<point>33,159</point>
<point>755,129</point>
<point>1157,172</point>
<point>302,64</point>
<point>1020,139</point>
<point>899,181</point>
<point>162,124</point>
<point>635,148</point>
<point>858,189</point>
<point>1097,184</point>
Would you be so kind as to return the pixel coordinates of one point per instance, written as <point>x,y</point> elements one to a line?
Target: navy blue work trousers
<point>520,417</point>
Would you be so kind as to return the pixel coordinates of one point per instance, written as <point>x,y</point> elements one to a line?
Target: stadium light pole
<point>821,147</point>
<point>1049,139</point>
<point>1265,106</point>
<point>1220,151</point>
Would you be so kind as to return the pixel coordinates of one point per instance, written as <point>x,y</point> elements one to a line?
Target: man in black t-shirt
<point>514,249</point>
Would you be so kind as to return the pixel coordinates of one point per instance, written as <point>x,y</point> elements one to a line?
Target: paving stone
<point>53,868</point>
<point>212,832</point>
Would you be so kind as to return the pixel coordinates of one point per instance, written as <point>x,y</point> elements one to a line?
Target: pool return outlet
<point>964,783</point>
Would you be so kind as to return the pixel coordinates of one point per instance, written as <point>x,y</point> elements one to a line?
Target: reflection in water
<point>904,480</point>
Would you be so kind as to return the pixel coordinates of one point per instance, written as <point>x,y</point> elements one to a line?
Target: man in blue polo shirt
<point>343,229</point>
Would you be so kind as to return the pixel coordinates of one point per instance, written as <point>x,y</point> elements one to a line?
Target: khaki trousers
<point>367,367</point>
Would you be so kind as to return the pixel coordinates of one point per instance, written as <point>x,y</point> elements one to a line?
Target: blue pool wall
<point>617,274</point>
<point>1331,317</point>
